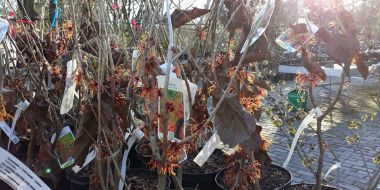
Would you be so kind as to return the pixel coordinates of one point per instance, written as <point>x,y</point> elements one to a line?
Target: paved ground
<point>357,163</point>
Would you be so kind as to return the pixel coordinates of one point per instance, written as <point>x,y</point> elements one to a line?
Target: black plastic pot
<point>307,187</point>
<point>77,182</point>
<point>221,185</point>
<point>132,173</point>
<point>204,181</point>
<point>132,157</point>
<point>143,158</point>
<point>80,182</point>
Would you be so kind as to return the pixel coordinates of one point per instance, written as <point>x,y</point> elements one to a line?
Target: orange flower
<point>312,79</point>
<point>3,112</point>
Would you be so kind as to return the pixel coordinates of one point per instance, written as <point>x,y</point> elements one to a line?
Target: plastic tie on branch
<point>4,126</point>
<point>21,106</point>
<point>332,168</point>
<point>4,24</point>
<point>208,149</point>
<point>261,22</point>
<point>314,113</point>
<point>136,134</point>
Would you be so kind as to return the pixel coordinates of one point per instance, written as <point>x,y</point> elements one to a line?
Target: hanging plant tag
<point>68,96</point>
<point>297,35</point>
<point>63,147</point>
<point>208,149</point>
<point>314,113</point>
<point>4,126</point>
<point>178,103</point>
<point>17,175</point>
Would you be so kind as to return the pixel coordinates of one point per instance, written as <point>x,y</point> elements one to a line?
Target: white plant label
<point>63,147</point>
<point>17,175</point>
<point>90,157</point>
<point>21,106</point>
<point>8,131</point>
<point>292,41</point>
<point>177,94</point>
<point>314,113</point>
<point>137,134</point>
<point>3,28</point>
<point>68,96</point>
<point>208,149</point>
<point>135,56</point>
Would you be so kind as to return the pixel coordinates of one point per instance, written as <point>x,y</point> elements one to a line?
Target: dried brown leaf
<point>83,142</point>
<point>37,110</point>
<point>361,66</point>
<point>180,17</point>
<point>234,124</point>
<point>312,67</point>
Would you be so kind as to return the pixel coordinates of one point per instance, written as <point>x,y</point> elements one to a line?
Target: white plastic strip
<point>21,106</point>
<point>135,56</point>
<point>68,96</point>
<point>3,28</point>
<point>17,175</point>
<point>332,168</point>
<point>90,156</point>
<point>261,22</point>
<point>208,149</point>
<point>137,134</point>
<point>314,113</point>
<point>4,126</point>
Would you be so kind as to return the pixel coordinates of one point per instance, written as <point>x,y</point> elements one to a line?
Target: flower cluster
<point>308,79</point>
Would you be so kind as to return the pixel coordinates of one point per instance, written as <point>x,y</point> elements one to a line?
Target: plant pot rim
<point>323,185</point>
<point>154,172</point>
<point>272,165</point>
<point>137,150</point>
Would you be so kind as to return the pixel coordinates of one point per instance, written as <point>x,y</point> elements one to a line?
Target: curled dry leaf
<point>341,47</point>
<point>89,129</point>
<point>180,17</point>
<point>83,142</point>
<point>236,126</point>
<point>37,110</point>
<point>312,67</point>
<point>362,67</point>
<point>261,154</point>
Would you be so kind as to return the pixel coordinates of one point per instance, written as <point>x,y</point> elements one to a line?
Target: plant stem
<point>319,133</point>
